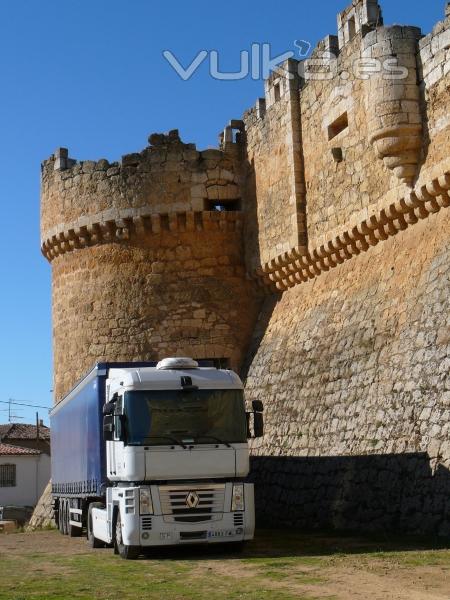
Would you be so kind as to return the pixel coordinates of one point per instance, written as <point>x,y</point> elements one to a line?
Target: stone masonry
<point>310,252</point>
<point>143,266</point>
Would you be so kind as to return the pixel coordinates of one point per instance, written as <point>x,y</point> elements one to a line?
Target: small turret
<point>360,16</point>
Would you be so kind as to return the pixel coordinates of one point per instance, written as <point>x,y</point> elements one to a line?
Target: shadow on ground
<point>270,543</point>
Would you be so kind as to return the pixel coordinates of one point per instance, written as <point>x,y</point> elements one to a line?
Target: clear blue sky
<point>90,75</point>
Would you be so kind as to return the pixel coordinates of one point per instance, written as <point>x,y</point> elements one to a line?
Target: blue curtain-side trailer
<point>78,449</point>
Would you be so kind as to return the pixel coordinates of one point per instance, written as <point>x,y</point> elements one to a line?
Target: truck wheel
<point>92,540</point>
<point>127,552</point>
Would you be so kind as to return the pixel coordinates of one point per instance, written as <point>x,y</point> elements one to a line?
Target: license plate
<point>220,534</point>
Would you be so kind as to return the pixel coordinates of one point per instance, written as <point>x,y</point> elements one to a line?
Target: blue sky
<point>90,75</point>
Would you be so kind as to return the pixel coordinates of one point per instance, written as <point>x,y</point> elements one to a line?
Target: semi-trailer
<point>154,454</point>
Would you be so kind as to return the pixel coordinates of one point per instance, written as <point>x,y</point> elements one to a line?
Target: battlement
<point>339,131</point>
<point>166,177</point>
<point>361,16</point>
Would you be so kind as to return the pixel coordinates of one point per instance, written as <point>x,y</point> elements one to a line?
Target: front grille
<point>238,519</point>
<point>146,523</point>
<point>192,504</point>
<point>193,518</point>
<point>192,535</point>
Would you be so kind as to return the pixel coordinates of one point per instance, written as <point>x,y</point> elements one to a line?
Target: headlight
<point>145,501</point>
<point>237,501</point>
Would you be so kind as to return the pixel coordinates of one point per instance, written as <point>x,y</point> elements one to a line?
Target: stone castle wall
<point>334,197</point>
<point>354,367</point>
<point>274,192</point>
<point>434,73</point>
<point>352,359</point>
<point>339,118</point>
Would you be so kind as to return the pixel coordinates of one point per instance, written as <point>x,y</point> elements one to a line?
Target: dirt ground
<point>276,565</point>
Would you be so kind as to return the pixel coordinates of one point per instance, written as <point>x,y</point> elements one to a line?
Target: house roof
<point>10,450</point>
<point>21,431</point>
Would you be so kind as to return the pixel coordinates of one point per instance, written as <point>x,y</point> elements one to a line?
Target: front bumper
<point>155,530</point>
<point>159,533</point>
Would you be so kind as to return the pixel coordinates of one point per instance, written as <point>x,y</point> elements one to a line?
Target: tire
<point>72,530</point>
<point>92,540</point>
<point>60,516</point>
<point>126,552</point>
<point>64,516</point>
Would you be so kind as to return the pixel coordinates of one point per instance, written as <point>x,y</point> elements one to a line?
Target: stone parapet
<point>168,176</point>
<point>434,54</point>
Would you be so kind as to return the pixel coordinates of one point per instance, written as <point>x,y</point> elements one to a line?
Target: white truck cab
<point>176,458</point>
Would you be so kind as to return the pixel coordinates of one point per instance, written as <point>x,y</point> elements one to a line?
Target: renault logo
<point>192,500</point>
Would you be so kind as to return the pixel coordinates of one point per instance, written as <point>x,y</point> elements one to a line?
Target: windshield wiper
<point>166,437</point>
<point>212,437</point>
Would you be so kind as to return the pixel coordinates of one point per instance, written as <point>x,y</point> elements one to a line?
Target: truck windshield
<point>160,417</point>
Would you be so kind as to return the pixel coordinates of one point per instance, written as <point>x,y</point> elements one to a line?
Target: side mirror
<point>247,417</point>
<point>258,424</point>
<point>108,427</point>
<point>108,408</point>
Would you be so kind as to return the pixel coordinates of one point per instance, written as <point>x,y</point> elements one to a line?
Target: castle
<point>310,252</point>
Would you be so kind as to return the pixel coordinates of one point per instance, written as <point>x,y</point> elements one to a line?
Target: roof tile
<point>22,431</point>
<point>10,450</point>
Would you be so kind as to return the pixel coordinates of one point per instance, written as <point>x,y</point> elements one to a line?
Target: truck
<point>151,454</point>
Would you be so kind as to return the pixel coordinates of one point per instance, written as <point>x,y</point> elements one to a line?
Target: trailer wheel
<point>59,516</point>
<point>127,552</point>
<point>92,540</point>
<point>63,516</point>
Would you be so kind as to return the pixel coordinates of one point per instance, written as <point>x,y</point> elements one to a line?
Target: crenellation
<point>360,17</point>
<point>329,44</point>
<point>61,160</point>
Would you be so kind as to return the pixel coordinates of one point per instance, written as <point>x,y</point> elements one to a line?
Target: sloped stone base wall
<point>373,493</point>
<point>43,513</point>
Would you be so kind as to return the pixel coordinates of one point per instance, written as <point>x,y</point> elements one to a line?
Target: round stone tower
<point>147,257</point>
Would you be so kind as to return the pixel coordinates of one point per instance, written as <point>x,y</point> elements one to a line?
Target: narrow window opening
<point>236,136</point>
<point>223,205</point>
<point>351,28</point>
<point>337,154</point>
<point>277,91</point>
<point>338,126</point>
<point>217,363</point>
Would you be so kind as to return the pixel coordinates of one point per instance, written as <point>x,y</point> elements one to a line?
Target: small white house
<point>24,473</point>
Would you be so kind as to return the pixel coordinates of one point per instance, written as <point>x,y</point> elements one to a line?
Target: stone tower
<point>146,257</point>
